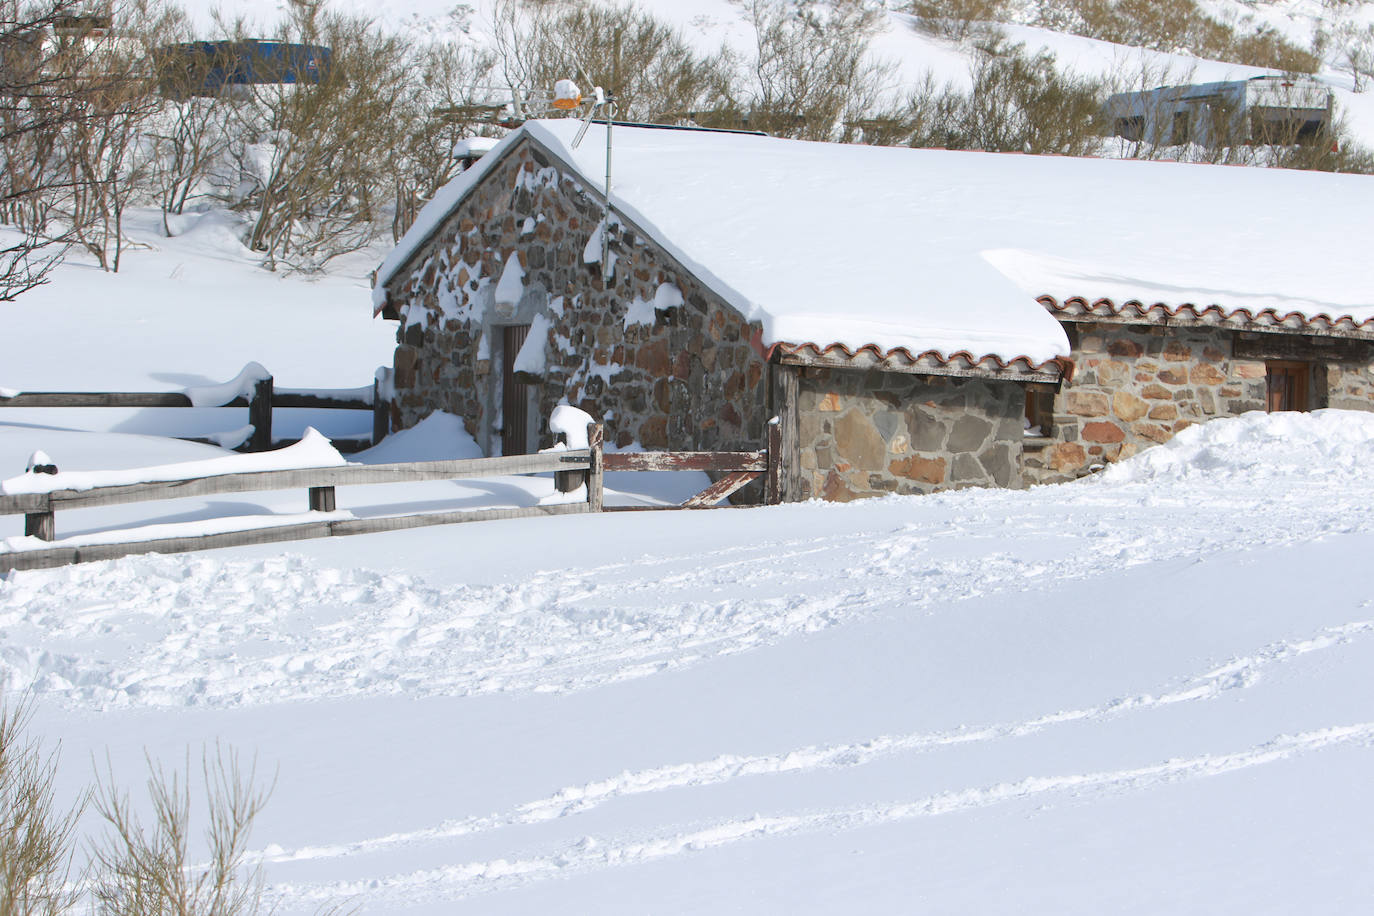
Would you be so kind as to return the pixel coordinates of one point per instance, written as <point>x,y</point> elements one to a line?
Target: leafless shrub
<point>146,868</point>
<point>1017,103</point>
<point>187,134</point>
<point>645,64</point>
<point>956,19</point>
<point>812,74</point>
<point>43,96</point>
<point>316,159</point>
<point>1173,26</point>
<point>35,834</point>
<point>445,104</point>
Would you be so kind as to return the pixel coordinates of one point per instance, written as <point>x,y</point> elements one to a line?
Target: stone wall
<point>1139,385</point>
<point>517,252</point>
<point>873,433</point>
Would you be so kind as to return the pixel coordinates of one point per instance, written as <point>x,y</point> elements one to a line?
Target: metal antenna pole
<point>606,269</point>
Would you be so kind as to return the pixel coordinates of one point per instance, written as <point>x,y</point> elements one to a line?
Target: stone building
<point>882,303</point>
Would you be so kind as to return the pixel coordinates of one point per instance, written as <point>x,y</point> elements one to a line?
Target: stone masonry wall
<point>680,376</point>
<point>1139,385</point>
<point>873,433</point>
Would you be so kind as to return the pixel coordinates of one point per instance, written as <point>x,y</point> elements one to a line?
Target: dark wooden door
<point>1287,384</point>
<point>515,399</point>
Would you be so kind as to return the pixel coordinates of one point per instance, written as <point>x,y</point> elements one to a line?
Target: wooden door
<point>515,399</point>
<point>1287,385</point>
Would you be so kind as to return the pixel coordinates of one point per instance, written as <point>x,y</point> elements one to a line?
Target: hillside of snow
<point>915,54</point>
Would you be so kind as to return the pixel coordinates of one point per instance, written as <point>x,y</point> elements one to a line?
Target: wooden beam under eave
<point>863,362</point>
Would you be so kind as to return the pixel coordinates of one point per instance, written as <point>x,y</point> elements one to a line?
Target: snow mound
<point>1328,442</point>
<point>313,451</point>
<point>438,437</point>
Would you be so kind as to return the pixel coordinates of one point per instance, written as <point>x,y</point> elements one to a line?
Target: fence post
<point>772,480</point>
<point>41,525</point>
<point>595,473</point>
<point>260,415</point>
<point>322,499</point>
<point>381,411</point>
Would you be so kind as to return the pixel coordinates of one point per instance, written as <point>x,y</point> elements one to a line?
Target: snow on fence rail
<point>253,388</point>
<point>573,469</point>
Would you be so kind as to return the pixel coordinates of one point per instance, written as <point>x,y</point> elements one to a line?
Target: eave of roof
<point>1133,311</point>
<point>930,362</point>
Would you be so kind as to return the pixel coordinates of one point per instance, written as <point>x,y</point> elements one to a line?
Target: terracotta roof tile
<point>903,359</point>
<point>1266,319</point>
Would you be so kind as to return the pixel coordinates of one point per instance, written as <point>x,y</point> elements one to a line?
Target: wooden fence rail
<point>265,398</point>
<point>575,468</point>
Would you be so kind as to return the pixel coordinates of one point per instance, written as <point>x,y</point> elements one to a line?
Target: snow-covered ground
<point>1144,692</point>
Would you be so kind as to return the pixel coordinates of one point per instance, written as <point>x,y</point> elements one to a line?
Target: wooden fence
<point>573,468</point>
<point>265,397</point>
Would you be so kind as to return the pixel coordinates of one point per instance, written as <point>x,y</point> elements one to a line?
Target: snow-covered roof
<point>930,250</point>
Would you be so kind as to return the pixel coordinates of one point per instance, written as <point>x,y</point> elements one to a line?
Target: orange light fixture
<point>566,95</point>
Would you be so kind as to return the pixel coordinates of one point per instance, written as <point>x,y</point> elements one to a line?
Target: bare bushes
<point>441,108</point>
<point>152,859</point>
<point>645,64</point>
<point>1017,103</point>
<point>812,74</point>
<point>36,835</point>
<point>956,19</point>
<point>1172,26</point>
<point>146,869</point>
<point>312,154</point>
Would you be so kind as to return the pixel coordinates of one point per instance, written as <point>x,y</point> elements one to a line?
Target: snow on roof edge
<point>433,215</point>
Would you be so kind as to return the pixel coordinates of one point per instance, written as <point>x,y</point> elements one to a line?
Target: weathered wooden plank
<point>1309,349</point>
<point>686,461</point>
<point>324,399</point>
<point>97,399</point>
<point>402,522</point>
<point>345,475</point>
<point>320,400</point>
<point>596,478</point>
<point>720,490</point>
<point>63,556</point>
<point>38,559</point>
<point>23,503</point>
<point>772,480</point>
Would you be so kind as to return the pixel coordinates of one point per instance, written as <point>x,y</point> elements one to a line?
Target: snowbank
<point>1257,445</point>
<point>313,451</point>
<point>438,437</point>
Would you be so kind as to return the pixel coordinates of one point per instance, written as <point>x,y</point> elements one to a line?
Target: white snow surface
<point>240,386</point>
<point>946,251</point>
<point>1145,692</point>
<point>571,423</point>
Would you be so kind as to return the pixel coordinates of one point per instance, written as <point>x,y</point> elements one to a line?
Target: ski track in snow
<point>227,632</point>
<point>590,854</point>
<point>1238,673</point>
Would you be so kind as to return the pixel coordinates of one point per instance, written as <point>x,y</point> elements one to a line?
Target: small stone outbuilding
<point>882,303</point>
